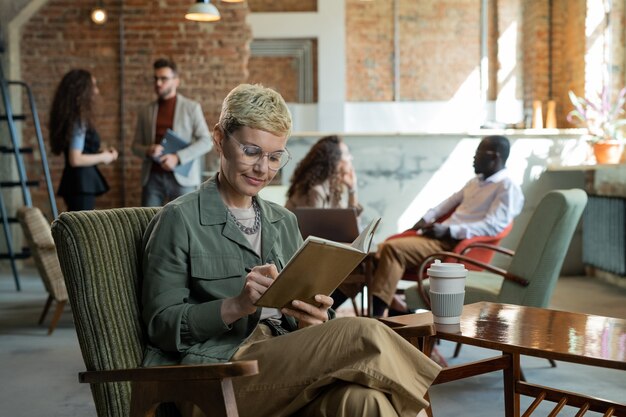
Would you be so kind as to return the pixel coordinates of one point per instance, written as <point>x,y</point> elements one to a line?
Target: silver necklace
<point>257,220</point>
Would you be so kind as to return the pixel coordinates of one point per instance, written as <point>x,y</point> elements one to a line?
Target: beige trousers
<point>345,367</point>
<point>396,255</point>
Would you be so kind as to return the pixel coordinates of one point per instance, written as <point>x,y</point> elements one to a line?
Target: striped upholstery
<point>100,252</point>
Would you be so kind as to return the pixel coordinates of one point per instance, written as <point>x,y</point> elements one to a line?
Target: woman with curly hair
<point>73,135</point>
<point>323,176</point>
<point>320,180</point>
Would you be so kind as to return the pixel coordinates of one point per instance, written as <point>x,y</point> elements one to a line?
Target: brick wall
<point>439,46</point>
<point>267,6</point>
<point>212,60</point>
<point>568,54</point>
<point>369,50</point>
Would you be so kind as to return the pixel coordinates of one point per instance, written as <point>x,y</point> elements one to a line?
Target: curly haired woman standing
<point>323,176</point>
<point>73,135</point>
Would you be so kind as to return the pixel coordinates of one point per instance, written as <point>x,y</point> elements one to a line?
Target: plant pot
<point>608,151</point>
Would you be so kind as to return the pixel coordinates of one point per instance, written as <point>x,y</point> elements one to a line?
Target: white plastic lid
<point>440,269</point>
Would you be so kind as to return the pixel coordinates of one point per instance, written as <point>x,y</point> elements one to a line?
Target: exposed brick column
<point>535,51</point>
<point>568,54</point>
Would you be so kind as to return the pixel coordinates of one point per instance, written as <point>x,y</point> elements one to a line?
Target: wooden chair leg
<point>457,350</point>
<point>45,309</point>
<point>355,306</point>
<point>57,315</point>
<point>552,363</point>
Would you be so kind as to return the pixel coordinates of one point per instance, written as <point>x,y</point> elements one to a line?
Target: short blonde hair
<point>256,107</point>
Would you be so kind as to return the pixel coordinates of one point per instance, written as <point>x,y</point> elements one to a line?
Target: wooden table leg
<point>511,375</point>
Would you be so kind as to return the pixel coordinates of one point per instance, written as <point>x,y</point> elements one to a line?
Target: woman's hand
<point>110,155</point>
<point>257,281</point>
<point>348,175</point>
<point>79,159</point>
<point>307,314</point>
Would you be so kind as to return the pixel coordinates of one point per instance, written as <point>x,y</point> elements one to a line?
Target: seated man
<point>484,207</point>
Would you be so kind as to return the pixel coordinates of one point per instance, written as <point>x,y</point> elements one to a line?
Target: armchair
<point>37,233</point>
<point>535,265</point>
<point>100,253</point>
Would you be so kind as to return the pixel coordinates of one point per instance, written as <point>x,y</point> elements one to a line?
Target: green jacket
<point>194,257</point>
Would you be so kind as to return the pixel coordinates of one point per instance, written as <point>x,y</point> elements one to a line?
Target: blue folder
<point>172,143</point>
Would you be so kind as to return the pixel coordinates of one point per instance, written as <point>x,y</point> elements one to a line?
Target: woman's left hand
<point>348,176</point>
<point>307,314</point>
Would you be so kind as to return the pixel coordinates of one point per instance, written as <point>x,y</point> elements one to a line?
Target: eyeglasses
<point>162,79</point>
<point>252,154</point>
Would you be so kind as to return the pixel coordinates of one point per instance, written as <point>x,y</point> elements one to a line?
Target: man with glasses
<point>159,178</point>
<point>485,206</point>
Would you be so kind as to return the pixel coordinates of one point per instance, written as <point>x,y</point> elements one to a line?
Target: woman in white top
<point>324,177</point>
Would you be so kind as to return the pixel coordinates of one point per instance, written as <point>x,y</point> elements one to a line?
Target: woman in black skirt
<point>73,135</point>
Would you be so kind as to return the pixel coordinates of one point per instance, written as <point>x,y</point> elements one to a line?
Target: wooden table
<point>517,330</point>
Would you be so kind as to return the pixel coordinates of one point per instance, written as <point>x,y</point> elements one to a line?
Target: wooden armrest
<point>499,271</point>
<point>407,332</point>
<point>421,326</point>
<point>46,247</point>
<point>494,248</point>
<point>173,373</point>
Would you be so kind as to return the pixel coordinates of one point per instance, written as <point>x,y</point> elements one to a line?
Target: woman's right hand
<point>109,156</point>
<point>257,281</point>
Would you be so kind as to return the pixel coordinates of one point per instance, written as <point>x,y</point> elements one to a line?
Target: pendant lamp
<point>203,11</point>
<point>99,14</point>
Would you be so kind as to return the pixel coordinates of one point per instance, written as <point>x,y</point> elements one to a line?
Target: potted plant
<point>603,120</point>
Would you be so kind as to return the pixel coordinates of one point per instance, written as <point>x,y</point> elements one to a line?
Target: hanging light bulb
<point>99,14</point>
<point>203,11</point>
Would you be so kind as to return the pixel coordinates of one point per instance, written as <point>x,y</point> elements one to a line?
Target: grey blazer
<point>189,124</point>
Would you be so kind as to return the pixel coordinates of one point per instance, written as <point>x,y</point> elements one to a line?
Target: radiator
<point>604,234</point>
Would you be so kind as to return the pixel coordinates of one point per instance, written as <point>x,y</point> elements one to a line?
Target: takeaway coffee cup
<point>447,291</point>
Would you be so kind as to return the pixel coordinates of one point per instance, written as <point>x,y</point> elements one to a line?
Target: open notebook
<point>318,267</point>
<point>337,224</point>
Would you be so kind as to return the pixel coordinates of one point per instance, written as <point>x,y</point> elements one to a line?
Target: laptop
<point>338,224</point>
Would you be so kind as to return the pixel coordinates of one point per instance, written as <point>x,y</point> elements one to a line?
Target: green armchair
<point>535,265</point>
<point>100,253</point>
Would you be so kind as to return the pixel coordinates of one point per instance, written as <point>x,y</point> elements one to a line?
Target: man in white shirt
<point>484,207</point>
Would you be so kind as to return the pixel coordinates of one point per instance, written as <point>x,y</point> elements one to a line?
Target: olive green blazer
<point>194,257</point>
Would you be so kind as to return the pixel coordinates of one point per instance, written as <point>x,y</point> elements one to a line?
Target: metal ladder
<point>22,182</point>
